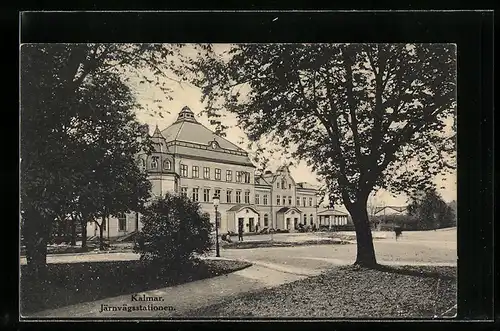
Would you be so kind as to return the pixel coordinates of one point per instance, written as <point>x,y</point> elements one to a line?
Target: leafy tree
<point>431,211</point>
<point>111,181</point>
<point>57,82</point>
<point>363,116</point>
<point>174,228</point>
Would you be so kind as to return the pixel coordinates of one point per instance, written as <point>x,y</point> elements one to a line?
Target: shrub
<point>264,230</point>
<point>173,229</point>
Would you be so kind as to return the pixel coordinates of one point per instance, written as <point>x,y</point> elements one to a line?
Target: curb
<point>265,265</point>
<point>86,253</point>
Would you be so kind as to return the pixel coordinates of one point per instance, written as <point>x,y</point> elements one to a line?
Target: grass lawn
<point>268,243</point>
<point>72,283</point>
<point>349,292</point>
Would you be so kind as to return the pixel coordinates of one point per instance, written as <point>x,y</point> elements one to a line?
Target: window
<point>246,176</point>
<point>238,177</point>
<point>290,186</point>
<point>257,199</point>
<point>154,162</point>
<point>229,194</point>
<point>238,196</point>
<point>247,197</point>
<point>206,172</point>
<point>278,200</point>
<point>217,193</point>
<point>305,218</point>
<point>284,201</point>
<point>143,164</point>
<point>195,194</point>
<point>196,172</point>
<point>298,201</point>
<point>122,222</point>
<point>167,165</point>
<point>310,202</point>
<point>266,220</point>
<point>184,170</point>
<point>217,173</point>
<point>184,191</point>
<point>283,184</point>
<point>304,202</point>
<point>229,176</point>
<point>290,200</point>
<point>311,219</point>
<point>265,199</point>
<point>206,195</point>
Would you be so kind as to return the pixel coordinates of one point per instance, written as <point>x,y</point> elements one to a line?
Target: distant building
<point>332,217</point>
<point>192,160</point>
<point>390,210</point>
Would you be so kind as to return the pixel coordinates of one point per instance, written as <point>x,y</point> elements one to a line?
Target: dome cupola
<point>186,114</point>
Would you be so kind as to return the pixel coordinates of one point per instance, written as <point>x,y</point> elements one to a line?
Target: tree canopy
<point>363,116</point>
<point>79,134</point>
<point>431,211</point>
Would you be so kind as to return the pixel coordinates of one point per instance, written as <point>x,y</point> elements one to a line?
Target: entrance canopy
<point>289,210</point>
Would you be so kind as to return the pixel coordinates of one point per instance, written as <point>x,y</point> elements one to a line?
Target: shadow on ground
<point>429,271</point>
<point>348,292</point>
<point>66,284</point>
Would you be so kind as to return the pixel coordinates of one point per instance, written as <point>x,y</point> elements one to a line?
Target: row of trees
<point>80,137</point>
<point>430,211</point>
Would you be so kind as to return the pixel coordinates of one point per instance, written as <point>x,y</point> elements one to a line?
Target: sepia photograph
<point>238,181</point>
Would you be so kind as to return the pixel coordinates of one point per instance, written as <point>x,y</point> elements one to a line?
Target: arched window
<point>167,165</point>
<point>154,162</point>
<point>143,164</point>
<point>266,220</point>
<point>305,218</point>
<point>311,219</point>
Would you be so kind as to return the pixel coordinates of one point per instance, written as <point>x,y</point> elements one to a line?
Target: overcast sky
<point>188,95</point>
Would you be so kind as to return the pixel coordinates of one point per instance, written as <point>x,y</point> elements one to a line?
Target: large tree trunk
<point>365,251</point>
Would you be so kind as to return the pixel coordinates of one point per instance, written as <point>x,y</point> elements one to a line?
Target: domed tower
<point>160,166</point>
<point>186,114</point>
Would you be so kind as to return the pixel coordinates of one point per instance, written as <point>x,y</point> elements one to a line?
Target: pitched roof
<point>285,209</point>
<point>239,207</point>
<point>399,209</point>
<point>307,186</point>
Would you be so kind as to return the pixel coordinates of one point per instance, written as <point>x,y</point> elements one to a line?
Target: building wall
<point>169,181</point>
<point>213,184</point>
<point>112,227</point>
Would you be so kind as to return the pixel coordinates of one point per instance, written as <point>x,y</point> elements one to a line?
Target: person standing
<point>240,231</point>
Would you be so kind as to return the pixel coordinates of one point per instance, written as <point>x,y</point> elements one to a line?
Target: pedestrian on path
<point>398,231</point>
<point>240,232</point>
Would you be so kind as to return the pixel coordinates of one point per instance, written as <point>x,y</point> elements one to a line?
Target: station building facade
<point>192,160</point>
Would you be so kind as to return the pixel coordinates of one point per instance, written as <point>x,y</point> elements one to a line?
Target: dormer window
<point>154,162</point>
<point>167,165</point>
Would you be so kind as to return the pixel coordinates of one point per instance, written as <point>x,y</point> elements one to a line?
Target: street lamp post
<point>216,204</point>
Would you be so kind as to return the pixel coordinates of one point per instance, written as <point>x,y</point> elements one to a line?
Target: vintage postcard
<point>238,181</point>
